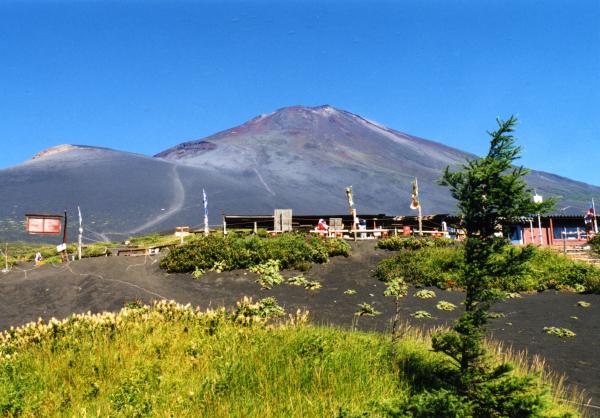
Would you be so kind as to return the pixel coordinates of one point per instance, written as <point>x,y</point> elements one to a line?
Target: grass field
<point>22,252</point>
<point>171,360</point>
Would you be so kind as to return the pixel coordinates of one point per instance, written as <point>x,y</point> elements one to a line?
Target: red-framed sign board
<point>43,224</point>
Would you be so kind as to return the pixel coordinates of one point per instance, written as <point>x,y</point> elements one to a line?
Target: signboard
<point>43,224</point>
<point>283,220</point>
<point>60,248</point>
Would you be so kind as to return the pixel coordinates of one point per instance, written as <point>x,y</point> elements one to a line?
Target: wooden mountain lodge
<point>552,230</point>
<point>549,230</point>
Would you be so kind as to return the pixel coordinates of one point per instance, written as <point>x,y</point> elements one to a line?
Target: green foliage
<point>365,309</point>
<point>197,273</point>
<point>302,281</point>
<point>21,252</point>
<point>413,243</point>
<point>489,191</point>
<point>421,314</point>
<point>231,252</point>
<point>396,288</point>
<point>350,292</point>
<point>152,240</point>
<point>268,272</point>
<point>548,270</point>
<point>429,266</point>
<point>297,281</point>
<point>559,332</point>
<point>443,305</point>
<point>248,312</point>
<point>424,294</point>
<point>537,269</point>
<point>595,244</point>
<point>584,304</point>
<point>173,360</point>
<point>312,285</point>
<point>439,403</point>
<point>334,246</point>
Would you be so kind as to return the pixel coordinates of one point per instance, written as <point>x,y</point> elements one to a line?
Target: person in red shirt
<point>322,226</point>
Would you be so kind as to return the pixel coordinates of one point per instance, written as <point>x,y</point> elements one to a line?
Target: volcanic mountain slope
<point>304,157</point>
<point>297,157</point>
<point>119,193</point>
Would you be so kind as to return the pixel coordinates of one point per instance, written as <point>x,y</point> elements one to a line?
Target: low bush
<point>289,250</point>
<point>548,270</point>
<point>595,244</point>
<point>413,243</point>
<point>441,266</point>
<point>428,266</point>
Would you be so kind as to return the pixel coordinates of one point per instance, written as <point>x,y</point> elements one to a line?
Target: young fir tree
<point>490,191</point>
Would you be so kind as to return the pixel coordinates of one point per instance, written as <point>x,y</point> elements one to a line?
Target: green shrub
<point>413,243</point>
<point>554,271</point>
<point>595,244</point>
<point>268,274</point>
<point>290,250</point>
<point>365,309</point>
<point>559,332</point>
<point>443,305</point>
<point>545,269</point>
<point>428,266</point>
<point>439,403</point>
<point>425,294</point>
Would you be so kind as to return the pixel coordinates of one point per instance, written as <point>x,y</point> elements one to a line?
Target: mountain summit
<point>303,157</point>
<point>296,157</point>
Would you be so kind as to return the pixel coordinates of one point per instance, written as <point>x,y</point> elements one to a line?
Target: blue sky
<point>143,76</point>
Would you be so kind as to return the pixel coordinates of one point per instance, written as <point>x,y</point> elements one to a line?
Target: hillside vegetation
<point>432,262</point>
<point>290,250</point>
<point>23,252</point>
<point>172,360</point>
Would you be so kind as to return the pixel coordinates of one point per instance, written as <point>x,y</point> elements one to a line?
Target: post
<point>539,199</point>
<point>354,223</point>
<point>224,226</point>
<point>416,204</point>
<point>564,234</point>
<point>205,203</point>
<point>595,216</point>
<point>352,210</point>
<point>65,254</point>
<point>420,222</point>
<point>80,237</point>
<point>531,230</point>
<point>255,228</point>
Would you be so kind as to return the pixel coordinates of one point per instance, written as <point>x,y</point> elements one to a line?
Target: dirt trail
<point>107,283</point>
<point>178,201</point>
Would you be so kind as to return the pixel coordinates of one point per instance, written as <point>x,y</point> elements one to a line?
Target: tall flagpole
<point>352,210</point>
<point>416,204</point>
<point>420,213</point>
<point>205,199</point>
